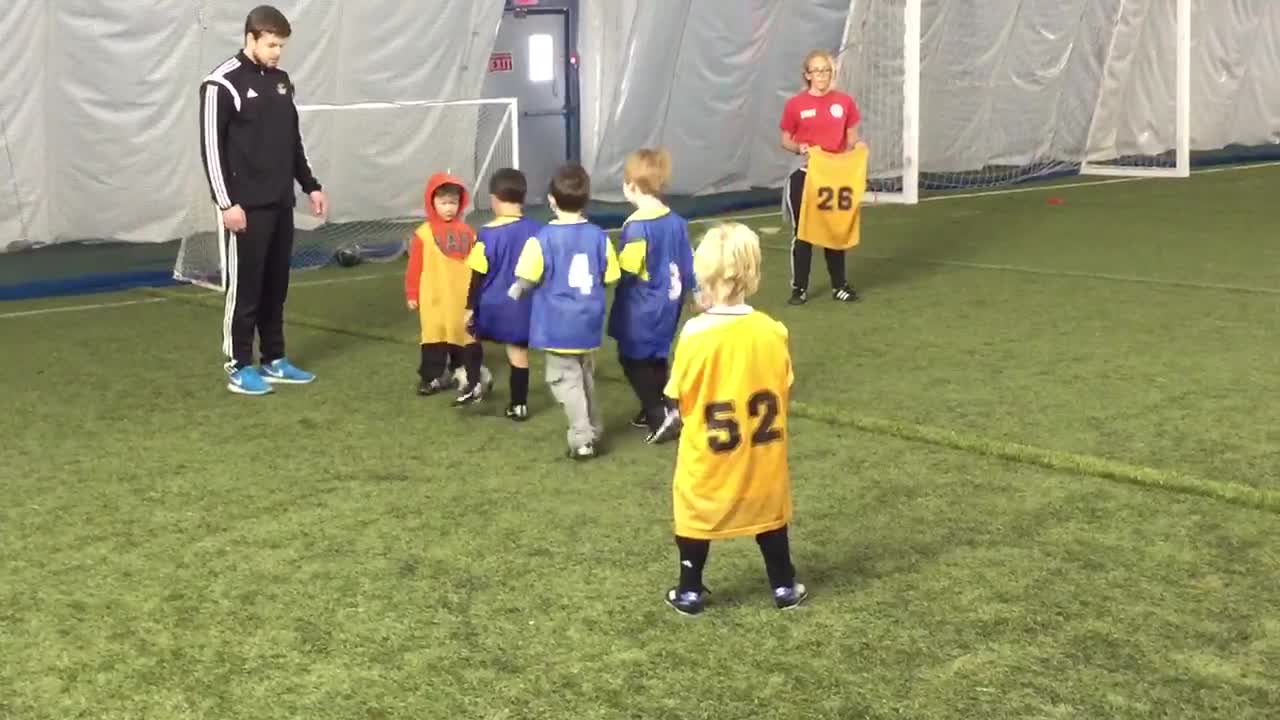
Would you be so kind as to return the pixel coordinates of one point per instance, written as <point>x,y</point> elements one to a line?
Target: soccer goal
<point>1118,104</point>
<point>373,159</point>
<point>1142,124</point>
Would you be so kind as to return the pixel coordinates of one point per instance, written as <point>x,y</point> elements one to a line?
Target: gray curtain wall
<point>98,131</point>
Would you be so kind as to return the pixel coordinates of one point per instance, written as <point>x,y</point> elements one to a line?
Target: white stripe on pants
<point>230,273</point>
<point>793,214</point>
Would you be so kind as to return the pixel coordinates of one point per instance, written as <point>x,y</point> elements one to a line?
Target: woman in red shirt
<point>819,116</point>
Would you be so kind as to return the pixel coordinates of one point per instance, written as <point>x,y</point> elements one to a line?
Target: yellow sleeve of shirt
<point>786,351</point>
<point>612,272</point>
<point>631,259</point>
<point>477,260</point>
<point>679,361</point>
<point>530,265</point>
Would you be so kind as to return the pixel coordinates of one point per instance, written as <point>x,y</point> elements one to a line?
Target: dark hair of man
<point>266,19</point>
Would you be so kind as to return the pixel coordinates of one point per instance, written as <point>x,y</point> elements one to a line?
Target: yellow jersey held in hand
<point>731,378</point>
<point>833,189</point>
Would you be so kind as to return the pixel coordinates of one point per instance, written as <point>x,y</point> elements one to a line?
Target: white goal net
<point>1142,123</point>
<point>954,102</point>
<point>373,160</point>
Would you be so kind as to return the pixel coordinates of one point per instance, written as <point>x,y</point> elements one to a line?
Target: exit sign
<point>501,62</point>
<point>525,3</point>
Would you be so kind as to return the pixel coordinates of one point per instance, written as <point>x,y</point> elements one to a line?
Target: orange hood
<point>433,184</point>
<point>455,237</point>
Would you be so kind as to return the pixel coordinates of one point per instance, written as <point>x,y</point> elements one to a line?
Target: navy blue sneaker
<point>283,371</point>
<point>789,597</point>
<point>247,381</point>
<point>688,602</point>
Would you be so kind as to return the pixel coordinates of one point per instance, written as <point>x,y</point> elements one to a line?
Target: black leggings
<point>648,378</point>
<point>774,547</point>
<point>436,357</point>
<point>801,251</point>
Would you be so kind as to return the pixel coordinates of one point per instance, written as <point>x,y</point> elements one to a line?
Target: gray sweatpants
<point>573,384</point>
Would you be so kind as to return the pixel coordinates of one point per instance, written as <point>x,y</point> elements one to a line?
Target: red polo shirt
<point>822,120</point>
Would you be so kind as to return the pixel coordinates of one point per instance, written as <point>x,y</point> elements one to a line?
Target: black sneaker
<point>431,388</point>
<point>469,396</point>
<point>789,597</point>
<point>798,297</point>
<point>641,420</point>
<point>844,294</point>
<point>668,431</point>
<point>519,413</point>
<point>686,603</point>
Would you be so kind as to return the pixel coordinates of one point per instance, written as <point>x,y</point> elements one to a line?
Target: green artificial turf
<point>1036,476</point>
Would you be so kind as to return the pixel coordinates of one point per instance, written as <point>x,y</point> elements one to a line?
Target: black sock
<point>432,365</point>
<point>836,269</point>
<point>632,370</point>
<point>693,558</point>
<point>519,385</point>
<point>776,550</point>
<point>655,402</point>
<point>472,359</point>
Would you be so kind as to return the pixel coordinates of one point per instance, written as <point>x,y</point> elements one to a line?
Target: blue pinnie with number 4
<point>568,263</point>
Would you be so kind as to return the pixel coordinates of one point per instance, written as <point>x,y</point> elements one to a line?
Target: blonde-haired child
<point>731,381</point>
<point>657,273</point>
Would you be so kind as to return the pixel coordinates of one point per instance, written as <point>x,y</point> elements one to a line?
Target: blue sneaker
<point>688,602</point>
<point>247,381</point>
<point>789,597</point>
<point>283,371</point>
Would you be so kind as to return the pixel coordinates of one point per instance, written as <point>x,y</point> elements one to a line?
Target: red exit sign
<point>525,3</point>
<point>501,62</point>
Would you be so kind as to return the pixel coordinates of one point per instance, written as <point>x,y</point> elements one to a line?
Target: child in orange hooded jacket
<point>436,285</point>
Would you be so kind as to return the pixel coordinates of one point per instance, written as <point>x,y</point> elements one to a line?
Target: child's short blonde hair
<point>727,264</point>
<point>648,169</point>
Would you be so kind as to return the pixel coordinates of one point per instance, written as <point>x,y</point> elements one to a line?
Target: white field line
<point>146,301</point>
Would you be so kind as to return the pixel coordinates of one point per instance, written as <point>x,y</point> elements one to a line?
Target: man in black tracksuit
<point>252,151</point>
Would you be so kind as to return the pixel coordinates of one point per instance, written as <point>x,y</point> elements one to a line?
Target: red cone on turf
<point>1056,201</point>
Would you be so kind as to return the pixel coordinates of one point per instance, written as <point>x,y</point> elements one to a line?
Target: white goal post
<point>1134,122</point>
<point>374,160</point>
<point>1144,156</point>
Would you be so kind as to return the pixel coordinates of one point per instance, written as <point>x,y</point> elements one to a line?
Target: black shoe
<point>641,420</point>
<point>844,294</point>
<point>799,297</point>
<point>668,431</point>
<point>789,597</point>
<point>519,413</point>
<point>431,388</point>
<point>469,396</point>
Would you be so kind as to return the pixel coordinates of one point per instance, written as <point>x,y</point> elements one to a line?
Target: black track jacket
<point>249,136</point>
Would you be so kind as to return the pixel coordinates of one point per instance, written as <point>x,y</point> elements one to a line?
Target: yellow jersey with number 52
<point>731,377</point>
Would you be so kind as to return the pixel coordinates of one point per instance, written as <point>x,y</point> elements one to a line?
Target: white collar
<point>739,309</point>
